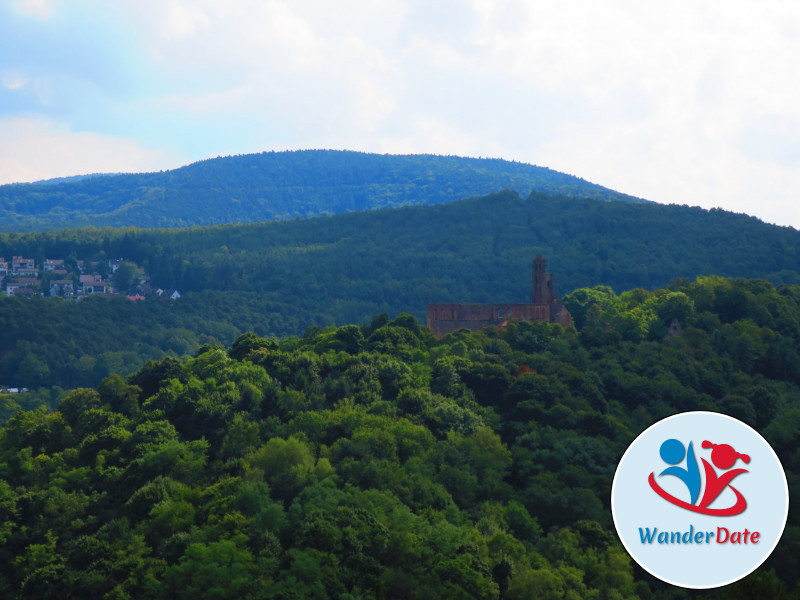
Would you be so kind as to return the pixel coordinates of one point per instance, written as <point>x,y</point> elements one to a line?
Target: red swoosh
<point>737,508</point>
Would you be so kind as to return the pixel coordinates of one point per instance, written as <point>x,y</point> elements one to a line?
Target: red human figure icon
<point>724,457</point>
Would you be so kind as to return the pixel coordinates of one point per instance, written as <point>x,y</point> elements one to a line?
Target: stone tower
<point>543,292</point>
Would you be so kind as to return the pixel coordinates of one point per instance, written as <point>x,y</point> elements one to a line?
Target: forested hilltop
<point>276,279</point>
<point>274,186</point>
<point>376,461</point>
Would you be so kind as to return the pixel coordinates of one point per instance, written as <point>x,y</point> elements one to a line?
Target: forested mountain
<point>379,462</point>
<point>273,186</point>
<point>278,278</point>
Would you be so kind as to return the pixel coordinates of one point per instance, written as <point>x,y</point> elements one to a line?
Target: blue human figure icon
<point>672,452</point>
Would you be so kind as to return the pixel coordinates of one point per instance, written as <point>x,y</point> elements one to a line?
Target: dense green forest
<point>376,461</point>
<point>278,278</point>
<point>273,186</point>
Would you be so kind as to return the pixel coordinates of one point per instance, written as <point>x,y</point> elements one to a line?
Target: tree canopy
<point>378,461</point>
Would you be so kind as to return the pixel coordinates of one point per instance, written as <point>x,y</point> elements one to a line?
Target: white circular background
<point>635,505</point>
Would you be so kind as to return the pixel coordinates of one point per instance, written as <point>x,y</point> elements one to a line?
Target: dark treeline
<point>54,342</point>
<point>376,461</point>
<point>276,279</point>
<point>274,186</point>
<point>472,249</point>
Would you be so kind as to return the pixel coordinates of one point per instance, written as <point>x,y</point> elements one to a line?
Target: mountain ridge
<point>275,186</point>
<point>491,238</point>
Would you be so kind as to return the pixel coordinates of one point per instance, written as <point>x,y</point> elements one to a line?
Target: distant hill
<point>473,249</point>
<point>274,186</point>
<point>72,178</point>
<point>279,278</point>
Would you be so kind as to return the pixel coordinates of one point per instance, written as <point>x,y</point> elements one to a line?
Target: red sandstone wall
<point>446,318</point>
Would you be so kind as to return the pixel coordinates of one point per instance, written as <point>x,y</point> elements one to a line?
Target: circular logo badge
<point>699,500</point>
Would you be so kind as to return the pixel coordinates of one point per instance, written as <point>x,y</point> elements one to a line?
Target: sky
<point>684,102</point>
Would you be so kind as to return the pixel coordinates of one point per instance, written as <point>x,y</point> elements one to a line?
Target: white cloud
<point>662,100</point>
<point>35,149</point>
<point>43,9</point>
<point>279,66</point>
<point>180,20</point>
<point>12,81</point>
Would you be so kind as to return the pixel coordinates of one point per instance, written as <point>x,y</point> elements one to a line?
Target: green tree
<point>126,277</point>
<point>212,571</point>
<point>286,464</point>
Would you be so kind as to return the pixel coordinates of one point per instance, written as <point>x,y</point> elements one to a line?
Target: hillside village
<point>77,279</point>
